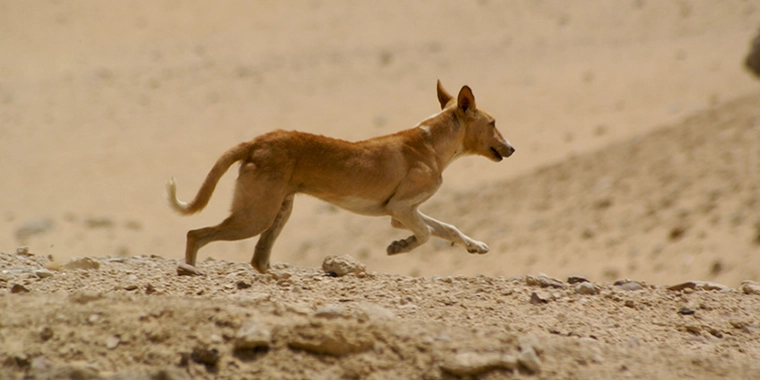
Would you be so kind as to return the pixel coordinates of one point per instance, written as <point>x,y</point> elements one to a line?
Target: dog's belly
<point>358,205</point>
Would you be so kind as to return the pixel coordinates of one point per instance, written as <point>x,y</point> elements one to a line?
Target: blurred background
<point>636,125</point>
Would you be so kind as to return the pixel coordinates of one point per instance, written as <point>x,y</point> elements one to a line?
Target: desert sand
<point>636,125</point>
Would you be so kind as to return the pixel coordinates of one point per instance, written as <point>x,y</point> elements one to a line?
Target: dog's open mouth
<point>496,155</point>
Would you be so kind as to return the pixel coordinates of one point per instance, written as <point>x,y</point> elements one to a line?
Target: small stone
<point>188,270</point>
<point>342,265</point>
<point>629,285</point>
<point>544,281</point>
<point>18,288</point>
<point>112,342</point>
<point>83,263</point>
<point>375,312</point>
<point>252,335</point>
<point>46,333</point>
<point>750,287</point>
<point>243,285</point>
<point>529,360</point>
<point>537,299</point>
<point>150,289</point>
<point>473,363</point>
<point>23,251</point>
<point>205,356</point>
<point>43,273</point>
<point>331,312</point>
<point>586,288</point>
<point>698,285</point>
<point>334,338</point>
<point>576,279</point>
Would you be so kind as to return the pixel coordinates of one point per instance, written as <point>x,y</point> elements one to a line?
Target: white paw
<point>477,247</point>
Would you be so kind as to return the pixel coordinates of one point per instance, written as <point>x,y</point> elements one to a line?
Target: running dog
<point>387,175</point>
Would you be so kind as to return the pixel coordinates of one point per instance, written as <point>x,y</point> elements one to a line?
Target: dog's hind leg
<point>263,250</point>
<point>256,204</point>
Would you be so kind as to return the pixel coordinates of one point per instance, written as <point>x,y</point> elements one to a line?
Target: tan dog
<point>387,175</point>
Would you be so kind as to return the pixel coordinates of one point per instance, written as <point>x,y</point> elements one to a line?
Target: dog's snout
<point>510,150</point>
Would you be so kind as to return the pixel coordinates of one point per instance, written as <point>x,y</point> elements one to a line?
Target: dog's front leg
<point>448,232</point>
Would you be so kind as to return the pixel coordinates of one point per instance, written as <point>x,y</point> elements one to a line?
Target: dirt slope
<point>132,318</point>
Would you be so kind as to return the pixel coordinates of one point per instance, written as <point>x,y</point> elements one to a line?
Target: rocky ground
<point>134,317</point>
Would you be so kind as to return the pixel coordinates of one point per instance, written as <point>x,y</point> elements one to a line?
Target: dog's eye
<point>492,124</point>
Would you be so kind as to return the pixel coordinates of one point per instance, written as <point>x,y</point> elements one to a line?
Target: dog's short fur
<point>387,175</point>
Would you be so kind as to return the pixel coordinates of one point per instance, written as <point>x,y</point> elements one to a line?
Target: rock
<point>750,287</point>
<point>188,270</point>
<point>698,285</point>
<point>43,273</point>
<point>18,288</point>
<point>375,312</point>
<point>528,359</point>
<point>473,363</point>
<point>342,265</point>
<point>46,333</point>
<point>205,356</point>
<point>85,297</point>
<point>23,251</point>
<point>112,342</point>
<point>252,335</point>
<point>586,288</point>
<point>335,338</point>
<point>576,279</point>
<point>629,285</point>
<point>83,263</point>
<point>331,312</point>
<point>537,299</point>
<point>544,281</point>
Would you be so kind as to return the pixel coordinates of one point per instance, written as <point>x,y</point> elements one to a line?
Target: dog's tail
<point>201,199</point>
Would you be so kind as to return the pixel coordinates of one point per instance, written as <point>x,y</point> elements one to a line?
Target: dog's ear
<point>443,96</point>
<point>466,100</point>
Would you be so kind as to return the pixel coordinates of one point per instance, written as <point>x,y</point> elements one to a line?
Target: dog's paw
<point>188,270</point>
<point>401,246</point>
<point>477,247</point>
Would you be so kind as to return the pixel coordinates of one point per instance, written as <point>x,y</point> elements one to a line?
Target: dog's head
<point>480,136</point>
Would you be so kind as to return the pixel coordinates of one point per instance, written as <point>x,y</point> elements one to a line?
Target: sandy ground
<point>636,126</point>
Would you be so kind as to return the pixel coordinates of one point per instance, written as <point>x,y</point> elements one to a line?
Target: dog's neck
<point>446,134</point>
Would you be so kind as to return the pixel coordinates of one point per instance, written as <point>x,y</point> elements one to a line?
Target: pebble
<point>43,273</point>
<point>629,285</point>
<point>576,279</point>
<point>375,312</point>
<point>252,335</point>
<point>342,265</point>
<point>338,338</point>
<point>698,285</point>
<point>331,312</point>
<point>586,288</point>
<point>18,288</point>
<point>205,356</point>
<point>750,287</point>
<point>112,341</point>
<point>544,281</point>
<point>529,360</point>
<point>473,363</point>
<point>83,263</point>
<point>537,299</point>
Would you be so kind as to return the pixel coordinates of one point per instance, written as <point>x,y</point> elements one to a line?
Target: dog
<point>390,175</point>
